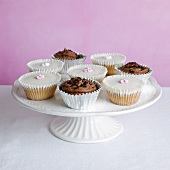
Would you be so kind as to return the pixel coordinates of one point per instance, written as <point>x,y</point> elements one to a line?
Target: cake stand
<point>87,126</point>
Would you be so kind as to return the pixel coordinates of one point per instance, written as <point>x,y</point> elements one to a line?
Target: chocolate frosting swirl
<point>134,68</point>
<point>67,55</point>
<point>78,85</point>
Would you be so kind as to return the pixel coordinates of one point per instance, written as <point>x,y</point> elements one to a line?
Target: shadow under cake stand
<point>87,126</point>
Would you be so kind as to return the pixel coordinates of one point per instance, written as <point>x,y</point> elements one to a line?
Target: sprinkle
<point>109,57</point>
<point>123,81</point>
<point>88,70</point>
<point>40,76</point>
<point>45,64</point>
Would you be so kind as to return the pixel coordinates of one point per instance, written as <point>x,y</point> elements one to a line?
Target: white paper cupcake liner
<point>143,77</point>
<point>99,77</point>
<point>125,100</point>
<point>80,101</point>
<point>69,63</point>
<point>58,68</point>
<point>40,93</point>
<point>94,59</point>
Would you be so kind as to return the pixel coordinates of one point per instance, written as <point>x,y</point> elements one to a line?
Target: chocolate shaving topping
<point>78,86</point>
<point>67,55</point>
<point>134,68</point>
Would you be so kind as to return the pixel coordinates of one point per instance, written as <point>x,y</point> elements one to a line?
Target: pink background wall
<point>35,29</point>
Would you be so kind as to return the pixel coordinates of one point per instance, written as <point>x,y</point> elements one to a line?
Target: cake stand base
<point>92,129</point>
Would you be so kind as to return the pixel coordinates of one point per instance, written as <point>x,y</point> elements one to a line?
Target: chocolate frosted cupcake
<point>134,69</point>
<point>79,93</point>
<point>123,90</point>
<point>109,60</point>
<point>69,58</point>
<point>39,85</point>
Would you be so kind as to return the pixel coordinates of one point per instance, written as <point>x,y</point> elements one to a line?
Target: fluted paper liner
<point>109,64</point>
<point>40,93</point>
<point>51,70</point>
<point>80,101</point>
<point>99,77</point>
<point>123,97</point>
<point>143,77</point>
<point>69,63</point>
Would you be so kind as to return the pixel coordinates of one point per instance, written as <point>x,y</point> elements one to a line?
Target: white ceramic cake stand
<point>87,126</point>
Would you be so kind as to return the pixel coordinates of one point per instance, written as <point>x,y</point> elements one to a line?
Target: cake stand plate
<point>87,126</point>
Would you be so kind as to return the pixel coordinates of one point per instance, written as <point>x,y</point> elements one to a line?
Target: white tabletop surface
<point>27,144</point>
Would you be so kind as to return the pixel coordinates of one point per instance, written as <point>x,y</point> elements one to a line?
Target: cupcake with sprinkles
<point>109,60</point>
<point>48,65</point>
<point>123,90</point>
<point>39,85</point>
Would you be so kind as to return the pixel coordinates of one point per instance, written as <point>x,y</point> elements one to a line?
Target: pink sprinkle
<point>123,81</point>
<point>40,76</point>
<point>88,70</point>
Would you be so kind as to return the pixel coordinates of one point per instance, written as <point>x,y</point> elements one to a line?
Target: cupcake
<point>134,69</point>
<point>49,65</point>
<point>39,85</point>
<point>79,93</point>
<point>109,60</point>
<point>69,58</point>
<point>88,71</point>
<point>123,90</point>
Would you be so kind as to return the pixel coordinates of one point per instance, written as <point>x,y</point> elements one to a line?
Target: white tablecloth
<point>27,144</point>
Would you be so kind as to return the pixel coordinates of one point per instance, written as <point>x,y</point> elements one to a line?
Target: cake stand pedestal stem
<point>92,129</point>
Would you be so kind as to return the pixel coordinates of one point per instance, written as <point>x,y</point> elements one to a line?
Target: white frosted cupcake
<point>79,93</point>
<point>39,85</point>
<point>109,60</point>
<point>49,65</point>
<point>69,58</point>
<point>134,69</point>
<point>88,71</point>
<point>123,90</point>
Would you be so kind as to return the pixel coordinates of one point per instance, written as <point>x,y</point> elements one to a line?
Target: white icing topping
<point>45,64</point>
<point>113,58</point>
<point>114,81</point>
<point>31,79</point>
<point>113,85</point>
<point>79,70</point>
